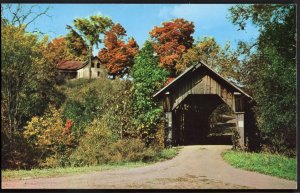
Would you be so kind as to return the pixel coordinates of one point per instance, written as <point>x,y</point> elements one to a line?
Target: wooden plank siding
<point>201,83</point>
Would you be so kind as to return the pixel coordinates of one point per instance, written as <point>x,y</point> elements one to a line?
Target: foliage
<point>270,164</point>
<point>93,146</point>
<point>99,146</point>
<point>168,153</point>
<point>76,44</point>
<point>130,150</point>
<point>222,60</point>
<point>110,99</point>
<point>51,138</point>
<point>148,78</point>
<point>118,56</point>
<point>87,33</point>
<point>27,81</point>
<point>269,69</point>
<point>58,50</point>
<point>170,41</point>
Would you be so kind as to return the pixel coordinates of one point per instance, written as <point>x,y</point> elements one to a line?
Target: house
<point>79,69</point>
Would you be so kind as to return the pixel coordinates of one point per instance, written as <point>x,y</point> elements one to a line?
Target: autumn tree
<point>89,31</point>
<point>148,78</point>
<point>117,56</point>
<point>27,82</point>
<point>58,49</point>
<point>223,60</point>
<point>170,41</point>
<point>269,68</point>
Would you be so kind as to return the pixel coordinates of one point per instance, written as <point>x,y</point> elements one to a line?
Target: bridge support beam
<point>168,130</point>
<point>240,124</point>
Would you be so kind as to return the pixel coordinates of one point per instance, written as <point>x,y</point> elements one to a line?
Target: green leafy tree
<point>148,77</point>
<point>87,31</point>
<point>270,70</point>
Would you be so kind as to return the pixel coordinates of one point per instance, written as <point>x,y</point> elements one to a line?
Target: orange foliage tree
<point>59,49</point>
<point>117,56</point>
<point>171,40</point>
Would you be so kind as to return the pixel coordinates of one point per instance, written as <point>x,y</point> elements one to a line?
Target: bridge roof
<point>192,69</point>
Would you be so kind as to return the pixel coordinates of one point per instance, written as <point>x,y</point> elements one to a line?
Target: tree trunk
<point>90,62</point>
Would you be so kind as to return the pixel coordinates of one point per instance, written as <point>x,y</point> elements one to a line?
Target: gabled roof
<point>73,65</point>
<point>193,68</point>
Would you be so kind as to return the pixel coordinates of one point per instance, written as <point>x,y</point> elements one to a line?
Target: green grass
<point>270,164</point>
<point>55,172</point>
<point>168,153</point>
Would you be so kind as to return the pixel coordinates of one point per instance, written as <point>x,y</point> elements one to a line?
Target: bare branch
<point>37,16</point>
<point>22,16</point>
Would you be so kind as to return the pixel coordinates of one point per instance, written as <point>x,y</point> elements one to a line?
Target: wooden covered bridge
<point>189,100</point>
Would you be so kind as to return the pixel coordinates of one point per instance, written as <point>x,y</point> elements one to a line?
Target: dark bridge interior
<point>193,125</point>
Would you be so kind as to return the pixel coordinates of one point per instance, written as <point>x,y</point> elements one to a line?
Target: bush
<point>100,146</point>
<point>130,150</point>
<point>93,146</point>
<point>98,99</point>
<point>50,138</point>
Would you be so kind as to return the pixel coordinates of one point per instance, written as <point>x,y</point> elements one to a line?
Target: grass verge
<point>55,172</point>
<point>270,164</point>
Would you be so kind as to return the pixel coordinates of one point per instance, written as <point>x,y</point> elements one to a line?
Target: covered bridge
<point>189,100</point>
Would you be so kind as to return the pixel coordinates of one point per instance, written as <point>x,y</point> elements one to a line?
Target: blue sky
<point>139,19</point>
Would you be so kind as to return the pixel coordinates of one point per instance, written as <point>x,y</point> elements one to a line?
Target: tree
<point>270,70</point>
<point>88,30</point>
<point>58,50</point>
<point>117,56</point>
<point>222,60</point>
<point>148,78</point>
<point>27,82</point>
<point>170,41</point>
<point>76,45</point>
<point>206,50</point>
<point>22,15</point>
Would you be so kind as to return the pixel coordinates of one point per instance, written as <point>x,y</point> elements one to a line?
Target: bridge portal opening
<point>203,120</point>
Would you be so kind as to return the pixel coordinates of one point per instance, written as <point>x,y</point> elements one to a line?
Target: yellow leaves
<point>34,119</point>
<point>47,132</point>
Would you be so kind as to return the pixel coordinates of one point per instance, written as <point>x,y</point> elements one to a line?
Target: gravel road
<point>195,167</point>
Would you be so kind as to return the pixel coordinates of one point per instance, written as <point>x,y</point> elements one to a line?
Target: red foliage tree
<point>58,50</point>
<point>117,56</point>
<point>171,40</point>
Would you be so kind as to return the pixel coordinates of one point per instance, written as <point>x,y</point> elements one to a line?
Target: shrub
<point>51,139</point>
<point>93,146</point>
<point>131,150</point>
<point>100,146</point>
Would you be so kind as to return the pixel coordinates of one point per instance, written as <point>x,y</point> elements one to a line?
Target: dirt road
<point>196,167</point>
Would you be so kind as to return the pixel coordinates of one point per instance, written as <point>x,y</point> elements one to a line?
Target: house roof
<point>73,65</point>
<point>192,69</point>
